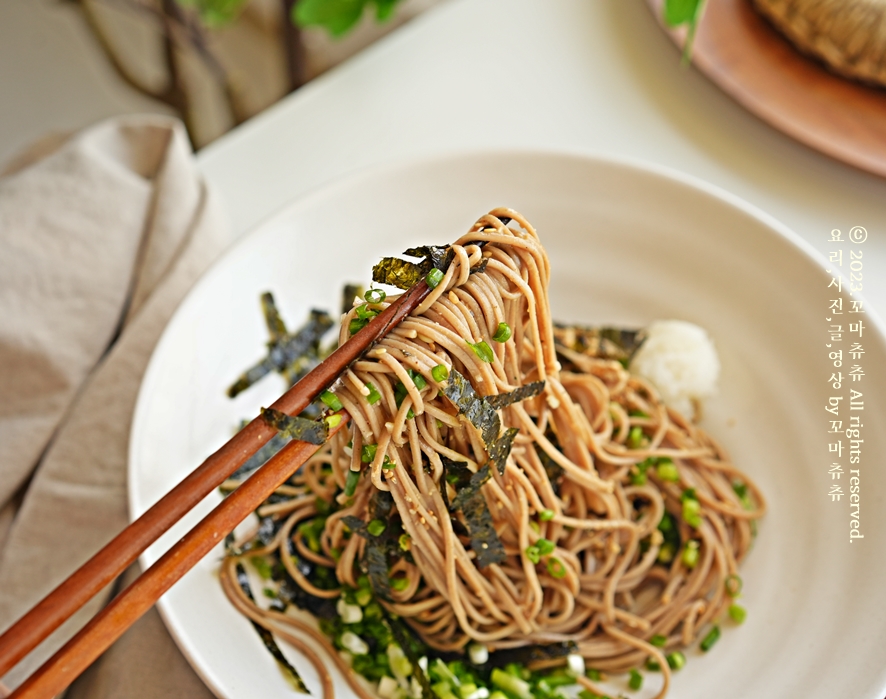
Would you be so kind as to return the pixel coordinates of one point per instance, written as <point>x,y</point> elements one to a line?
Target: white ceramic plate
<point>628,244</point>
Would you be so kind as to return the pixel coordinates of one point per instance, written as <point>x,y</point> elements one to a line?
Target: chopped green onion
<point>405,542</point>
<point>658,640</point>
<point>375,296</point>
<point>636,681</point>
<point>635,437</point>
<point>676,660</point>
<point>398,662</point>
<point>262,567</point>
<point>367,453</point>
<point>546,515</point>
<point>690,554</point>
<point>533,525</point>
<point>737,613</point>
<point>733,585</point>
<point>373,396</point>
<point>637,413</point>
<point>545,546</point>
<point>376,527</point>
<point>503,333</point>
<point>556,568</point>
<point>330,400</point>
<point>351,482</point>
<point>440,373</point>
<point>387,464</point>
<point>692,513</point>
<point>269,593</point>
<point>653,665</point>
<point>466,690</point>
<point>333,421</point>
<point>511,684</point>
<point>364,312</point>
<point>353,643</point>
<point>708,641</point>
<point>483,351</point>
<point>688,494</point>
<point>593,674</point>
<point>667,471</point>
<point>440,669</point>
<point>399,584</point>
<point>666,552</point>
<point>418,379</point>
<point>533,554</point>
<point>434,277</point>
<point>356,325</point>
<point>400,393</point>
<point>363,596</point>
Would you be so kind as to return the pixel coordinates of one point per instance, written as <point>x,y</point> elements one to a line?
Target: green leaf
<point>336,16</point>
<point>384,9</point>
<point>677,12</point>
<point>215,13</point>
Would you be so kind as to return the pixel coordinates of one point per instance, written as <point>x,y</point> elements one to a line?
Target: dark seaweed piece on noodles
<point>268,638</point>
<point>477,411</point>
<point>598,342</point>
<point>501,449</point>
<point>405,274</point>
<point>413,649</point>
<point>503,400</point>
<point>311,431</point>
<point>531,654</point>
<point>484,539</point>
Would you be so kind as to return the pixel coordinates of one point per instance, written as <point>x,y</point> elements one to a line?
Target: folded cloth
<point>99,241</point>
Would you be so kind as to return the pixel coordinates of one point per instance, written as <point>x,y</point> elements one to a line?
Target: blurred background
<point>65,64</point>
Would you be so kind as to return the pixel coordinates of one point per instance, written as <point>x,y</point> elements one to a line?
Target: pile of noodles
<point>614,597</point>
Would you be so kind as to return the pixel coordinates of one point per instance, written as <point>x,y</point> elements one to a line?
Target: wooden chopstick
<point>115,557</point>
<point>125,609</point>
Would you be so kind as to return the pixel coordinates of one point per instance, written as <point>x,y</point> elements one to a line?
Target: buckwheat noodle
<point>613,598</point>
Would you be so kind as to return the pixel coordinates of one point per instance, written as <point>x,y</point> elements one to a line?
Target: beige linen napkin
<point>99,241</point>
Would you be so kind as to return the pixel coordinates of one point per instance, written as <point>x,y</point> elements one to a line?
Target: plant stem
<point>293,48</point>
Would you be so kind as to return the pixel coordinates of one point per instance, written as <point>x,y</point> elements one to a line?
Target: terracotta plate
<point>741,52</point>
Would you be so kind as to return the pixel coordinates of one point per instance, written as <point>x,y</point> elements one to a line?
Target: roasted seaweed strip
<point>484,539</point>
<point>598,342</point>
<point>268,638</point>
<point>291,354</point>
<point>503,400</point>
<point>526,655</point>
<point>501,449</point>
<point>477,411</point>
<point>405,274</point>
<point>407,642</point>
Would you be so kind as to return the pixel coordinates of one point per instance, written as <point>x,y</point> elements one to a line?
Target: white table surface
<point>595,76</point>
